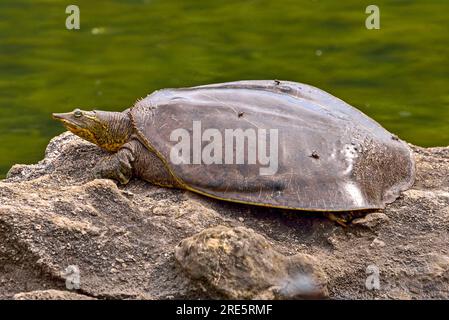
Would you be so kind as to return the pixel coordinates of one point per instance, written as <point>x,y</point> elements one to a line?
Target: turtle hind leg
<point>344,219</point>
<point>338,218</point>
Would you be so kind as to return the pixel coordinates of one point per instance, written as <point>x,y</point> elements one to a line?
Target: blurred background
<point>398,75</point>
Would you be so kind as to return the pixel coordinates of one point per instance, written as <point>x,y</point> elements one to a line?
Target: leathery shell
<point>330,157</point>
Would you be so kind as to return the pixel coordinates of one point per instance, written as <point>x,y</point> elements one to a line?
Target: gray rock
<point>55,217</point>
<point>241,264</point>
<point>51,295</point>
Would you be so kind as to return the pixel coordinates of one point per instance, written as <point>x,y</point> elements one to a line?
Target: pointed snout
<point>61,116</point>
<point>69,116</point>
<point>67,119</point>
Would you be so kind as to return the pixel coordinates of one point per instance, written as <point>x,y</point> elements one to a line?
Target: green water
<point>399,75</point>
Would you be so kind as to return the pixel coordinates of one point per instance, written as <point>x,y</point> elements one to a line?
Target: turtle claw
<point>339,219</point>
<point>122,178</point>
<point>115,168</point>
<point>345,219</point>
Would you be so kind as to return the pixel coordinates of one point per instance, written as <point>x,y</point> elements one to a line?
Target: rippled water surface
<point>399,75</point>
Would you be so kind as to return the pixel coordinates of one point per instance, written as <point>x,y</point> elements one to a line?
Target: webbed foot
<point>344,219</point>
<point>341,220</point>
<point>117,167</point>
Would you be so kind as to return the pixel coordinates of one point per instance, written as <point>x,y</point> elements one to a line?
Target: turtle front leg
<point>117,166</point>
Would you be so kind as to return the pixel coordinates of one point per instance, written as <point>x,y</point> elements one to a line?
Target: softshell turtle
<point>268,143</point>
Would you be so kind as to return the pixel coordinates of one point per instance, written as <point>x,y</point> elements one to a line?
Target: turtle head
<point>108,130</point>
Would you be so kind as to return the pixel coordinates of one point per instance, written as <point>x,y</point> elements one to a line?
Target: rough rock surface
<point>51,295</point>
<point>242,264</point>
<point>123,240</point>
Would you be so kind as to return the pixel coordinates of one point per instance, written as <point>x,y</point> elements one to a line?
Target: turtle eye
<point>77,113</point>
